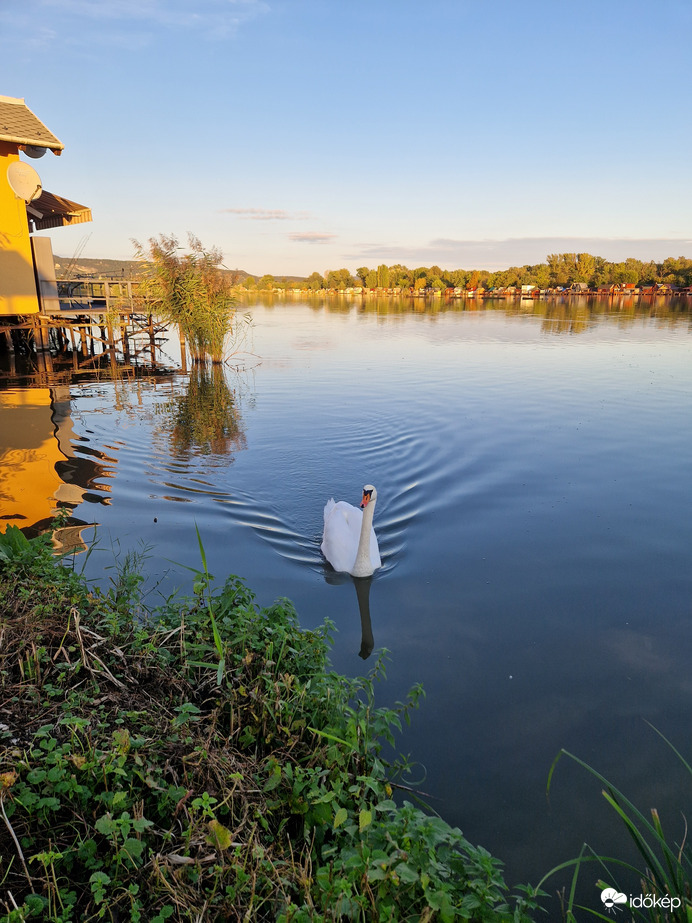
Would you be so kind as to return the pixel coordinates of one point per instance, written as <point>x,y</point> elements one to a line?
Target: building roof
<point>53,211</point>
<point>19,125</point>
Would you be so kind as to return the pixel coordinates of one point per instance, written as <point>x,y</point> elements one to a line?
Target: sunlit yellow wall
<point>28,454</point>
<point>17,283</point>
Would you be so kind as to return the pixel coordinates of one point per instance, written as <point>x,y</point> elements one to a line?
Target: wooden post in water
<point>183,350</point>
<point>152,339</point>
<point>111,344</point>
<point>126,342</point>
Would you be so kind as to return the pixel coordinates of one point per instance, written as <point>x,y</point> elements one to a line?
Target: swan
<point>349,542</point>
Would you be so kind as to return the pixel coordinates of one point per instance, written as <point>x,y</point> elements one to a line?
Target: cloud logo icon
<point>611,898</point>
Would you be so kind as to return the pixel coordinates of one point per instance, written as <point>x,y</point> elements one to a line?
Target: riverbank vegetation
<point>559,270</point>
<point>201,762</point>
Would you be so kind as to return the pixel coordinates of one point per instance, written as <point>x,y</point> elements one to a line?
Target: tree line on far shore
<point>559,270</point>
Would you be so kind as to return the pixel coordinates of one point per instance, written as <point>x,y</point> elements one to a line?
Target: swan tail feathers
<point>329,506</point>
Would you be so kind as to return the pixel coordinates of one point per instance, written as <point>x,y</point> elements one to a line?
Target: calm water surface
<point>533,515</point>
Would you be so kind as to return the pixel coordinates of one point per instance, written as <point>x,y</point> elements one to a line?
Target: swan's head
<point>369,496</point>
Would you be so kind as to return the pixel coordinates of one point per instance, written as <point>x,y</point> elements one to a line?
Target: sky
<point>307,135</point>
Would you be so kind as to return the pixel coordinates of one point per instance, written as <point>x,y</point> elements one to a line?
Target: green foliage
<point>560,270</point>
<point>201,761</point>
<point>383,276</point>
<point>362,274</point>
<point>30,553</point>
<point>666,877</point>
<point>314,282</point>
<point>387,862</point>
<point>192,291</point>
<point>14,546</point>
<point>340,278</point>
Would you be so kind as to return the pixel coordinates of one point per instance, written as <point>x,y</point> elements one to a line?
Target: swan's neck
<point>363,565</point>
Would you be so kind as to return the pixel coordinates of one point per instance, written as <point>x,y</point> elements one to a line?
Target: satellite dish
<point>33,150</point>
<point>24,180</point>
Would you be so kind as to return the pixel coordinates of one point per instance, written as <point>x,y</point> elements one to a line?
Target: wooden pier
<point>106,295</point>
<point>92,323</point>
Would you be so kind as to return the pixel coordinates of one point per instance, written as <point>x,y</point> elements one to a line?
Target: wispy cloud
<point>311,237</point>
<point>209,18</point>
<point>266,214</point>
<point>520,251</point>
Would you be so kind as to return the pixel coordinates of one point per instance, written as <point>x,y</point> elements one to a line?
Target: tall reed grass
<point>189,289</point>
<point>666,874</point>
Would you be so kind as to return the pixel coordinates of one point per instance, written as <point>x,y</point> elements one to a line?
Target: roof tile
<point>19,125</point>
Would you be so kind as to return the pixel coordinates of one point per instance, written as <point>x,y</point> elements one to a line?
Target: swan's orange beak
<point>366,499</point>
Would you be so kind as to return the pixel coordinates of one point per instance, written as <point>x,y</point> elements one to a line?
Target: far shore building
<point>27,271</point>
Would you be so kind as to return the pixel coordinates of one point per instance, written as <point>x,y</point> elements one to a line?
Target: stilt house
<point>27,272</point>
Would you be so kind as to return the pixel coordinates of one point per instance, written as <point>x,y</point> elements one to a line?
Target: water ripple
<point>412,454</point>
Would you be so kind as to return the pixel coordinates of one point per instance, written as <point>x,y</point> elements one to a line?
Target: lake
<point>532,462</point>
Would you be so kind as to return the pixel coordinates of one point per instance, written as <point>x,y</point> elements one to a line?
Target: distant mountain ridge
<point>79,267</point>
<point>75,267</point>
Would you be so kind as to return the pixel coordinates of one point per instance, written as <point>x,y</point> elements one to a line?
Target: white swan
<point>349,542</point>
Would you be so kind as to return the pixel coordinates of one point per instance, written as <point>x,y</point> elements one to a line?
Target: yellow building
<point>26,271</point>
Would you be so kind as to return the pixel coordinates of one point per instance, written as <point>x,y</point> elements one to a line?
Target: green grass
<point>665,876</point>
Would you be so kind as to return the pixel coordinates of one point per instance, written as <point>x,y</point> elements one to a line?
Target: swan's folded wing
<point>342,524</point>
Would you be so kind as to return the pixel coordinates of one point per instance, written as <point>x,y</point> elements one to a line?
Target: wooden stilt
<point>152,338</point>
<point>183,352</point>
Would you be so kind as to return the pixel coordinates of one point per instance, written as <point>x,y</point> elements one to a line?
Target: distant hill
<point>87,267</point>
<point>76,267</point>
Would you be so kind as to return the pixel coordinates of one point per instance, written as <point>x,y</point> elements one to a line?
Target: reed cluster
<point>191,290</point>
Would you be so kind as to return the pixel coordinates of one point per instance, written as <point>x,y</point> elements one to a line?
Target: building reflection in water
<point>40,471</point>
<point>45,465</point>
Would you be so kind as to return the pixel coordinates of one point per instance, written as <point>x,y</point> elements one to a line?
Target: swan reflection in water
<point>362,585</point>
<point>367,642</point>
<point>350,545</point>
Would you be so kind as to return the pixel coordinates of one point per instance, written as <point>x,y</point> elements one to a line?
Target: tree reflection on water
<point>206,418</point>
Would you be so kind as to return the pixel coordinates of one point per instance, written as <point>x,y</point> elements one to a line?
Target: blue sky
<point>302,135</point>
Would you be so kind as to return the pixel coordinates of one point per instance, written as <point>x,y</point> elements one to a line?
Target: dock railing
<point>99,295</point>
